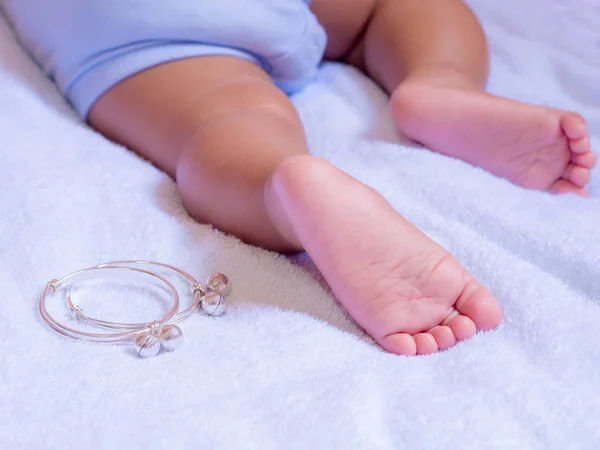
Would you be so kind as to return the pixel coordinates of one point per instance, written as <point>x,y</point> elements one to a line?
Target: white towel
<point>286,367</point>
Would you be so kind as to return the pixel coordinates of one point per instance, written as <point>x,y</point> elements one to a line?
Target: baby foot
<point>532,146</point>
<point>406,291</point>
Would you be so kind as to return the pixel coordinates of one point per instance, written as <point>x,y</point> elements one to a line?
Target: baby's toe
<point>426,343</point>
<point>587,159</point>
<point>444,337</point>
<point>580,146</point>
<point>579,176</point>
<point>574,126</point>
<point>566,187</point>
<point>479,305</point>
<point>462,327</point>
<point>399,344</point>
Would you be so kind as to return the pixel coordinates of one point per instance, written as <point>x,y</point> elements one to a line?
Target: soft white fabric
<point>286,368</point>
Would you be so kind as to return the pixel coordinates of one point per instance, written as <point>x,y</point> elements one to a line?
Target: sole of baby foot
<point>532,146</point>
<point>406,291</point>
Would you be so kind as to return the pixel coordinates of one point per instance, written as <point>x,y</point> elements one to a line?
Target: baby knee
<point>248,95</point>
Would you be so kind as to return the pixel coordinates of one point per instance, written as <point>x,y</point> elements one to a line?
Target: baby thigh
<point>217,125</point>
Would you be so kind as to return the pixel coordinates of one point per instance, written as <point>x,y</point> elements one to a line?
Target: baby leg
<point>219,127</point>
<point>432,56</point>
<point>236,148</point>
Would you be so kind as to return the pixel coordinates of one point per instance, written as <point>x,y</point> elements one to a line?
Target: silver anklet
<point>148,338</point>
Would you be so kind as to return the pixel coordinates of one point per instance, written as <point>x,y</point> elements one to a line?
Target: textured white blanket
<point>286,368</point>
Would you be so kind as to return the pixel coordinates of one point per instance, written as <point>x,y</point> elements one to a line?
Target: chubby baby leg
<point>432,57</point>
<point>219,127</point>
<point>236,148</point>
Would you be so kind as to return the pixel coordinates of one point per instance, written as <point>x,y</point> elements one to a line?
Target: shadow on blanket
<point>329,310</point>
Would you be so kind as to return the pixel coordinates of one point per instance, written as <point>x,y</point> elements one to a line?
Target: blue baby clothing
<point>88,46</point>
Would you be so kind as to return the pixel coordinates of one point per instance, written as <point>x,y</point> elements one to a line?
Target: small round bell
<point>146,344</point>
<point>219,283</point>
<point>213,304</point>
<point>171,337</point>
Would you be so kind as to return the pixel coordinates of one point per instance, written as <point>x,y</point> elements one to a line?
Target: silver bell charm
<point>149,343</point>
<point>146,344</point>
<point>218,283</point>
<point>171,337</point>
<point>213,304</point>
